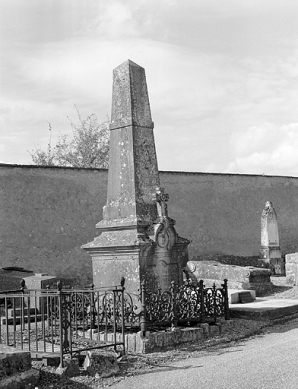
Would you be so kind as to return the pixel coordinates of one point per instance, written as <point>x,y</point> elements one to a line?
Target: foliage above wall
<point>88,146</point>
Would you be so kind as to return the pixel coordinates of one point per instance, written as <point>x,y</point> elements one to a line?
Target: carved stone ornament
<point>165,234</point>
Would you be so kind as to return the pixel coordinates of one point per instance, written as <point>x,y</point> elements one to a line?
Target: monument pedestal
<point>117,254</point>
<point>135,258</point>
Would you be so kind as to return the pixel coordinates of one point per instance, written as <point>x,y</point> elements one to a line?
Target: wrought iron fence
<point>185,304</point>
<point>62,321</point>
<point>68,321</point>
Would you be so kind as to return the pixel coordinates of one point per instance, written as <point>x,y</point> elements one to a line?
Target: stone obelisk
<point>138,240</point>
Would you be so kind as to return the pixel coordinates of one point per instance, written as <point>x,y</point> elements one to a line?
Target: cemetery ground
<point>233,332</point>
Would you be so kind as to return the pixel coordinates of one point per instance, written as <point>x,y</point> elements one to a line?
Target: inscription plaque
<point>245,297</point>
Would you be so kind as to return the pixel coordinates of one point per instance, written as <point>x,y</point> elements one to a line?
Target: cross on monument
<point>160,197</point>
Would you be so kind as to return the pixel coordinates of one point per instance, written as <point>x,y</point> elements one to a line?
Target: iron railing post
<point>143,322</point>
<point>22,308</point>
<point>115,318</point>
<point>68,343</point>
<point>214,291</point>
<point>92,310</point>
<point>48,306</point>
<point>14,321</point>
<point>226,299</point>
<point>174,310</point>
<point>6,320</point>
<point>59,286</point>
<point>202,299</point>
<point>122,313</point>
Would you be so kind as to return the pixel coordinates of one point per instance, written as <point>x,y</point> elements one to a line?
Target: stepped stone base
<point>16,369</point>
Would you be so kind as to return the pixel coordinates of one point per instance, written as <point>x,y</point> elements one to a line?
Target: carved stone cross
<point>161,197</point>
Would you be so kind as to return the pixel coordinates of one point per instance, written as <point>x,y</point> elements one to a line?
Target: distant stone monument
<point>270,252</point>
<point>138,239</point>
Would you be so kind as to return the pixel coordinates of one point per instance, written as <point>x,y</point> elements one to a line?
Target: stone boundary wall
<point>47,213</point>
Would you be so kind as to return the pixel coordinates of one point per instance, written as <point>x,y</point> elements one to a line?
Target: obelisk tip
<point>129,63</point>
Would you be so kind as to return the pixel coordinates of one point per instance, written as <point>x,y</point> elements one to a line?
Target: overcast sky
<point>222,76</point>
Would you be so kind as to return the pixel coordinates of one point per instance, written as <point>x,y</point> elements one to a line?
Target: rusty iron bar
<point>92,310</point>
<point>174,321</point>
<point>226,299</point>
<point>29,321</point>
<point>114,316</point>
<point>122,313</point>
<point>143,314</point>
<point>202,300</point>
<point>59,287</point>
<point>214,291</point>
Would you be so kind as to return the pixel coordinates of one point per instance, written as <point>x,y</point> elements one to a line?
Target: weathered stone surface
<point>13,361</point>
<point>238,277</point>
<point>39,281</point>
<point>11,277</point>
<point>270,250</point>
<point>161,340</point>
<point>269,227</point>
<point>133,171</point>
<point>292,268</point>
<point>24,380</point>
<point>101,363</point>
<point>138,239</point>
<point>16,369</point>
<point>243,261</point>
<point>70,368</point>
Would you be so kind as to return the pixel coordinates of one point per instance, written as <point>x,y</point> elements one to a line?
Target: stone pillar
<point>291,266</point>
<point>138,239</point>
<point>37,282</point>
<point>270,252</point>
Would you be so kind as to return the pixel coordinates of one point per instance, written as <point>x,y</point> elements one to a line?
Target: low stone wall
<point>238,277</point>
<point>161,340</point>
<point>292,268</point>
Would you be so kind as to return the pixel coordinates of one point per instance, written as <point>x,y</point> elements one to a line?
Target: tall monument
<point>270,252</point>
<point>138,239</point>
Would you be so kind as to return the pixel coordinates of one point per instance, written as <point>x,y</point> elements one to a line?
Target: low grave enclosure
<point>240,277</point>
<point>69,321</point>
